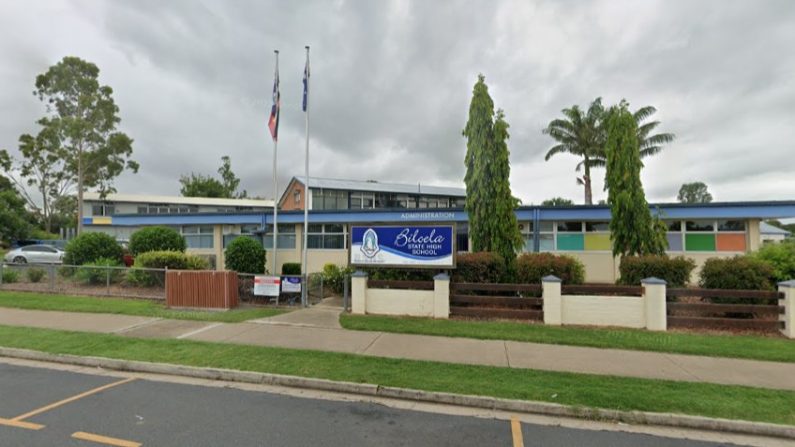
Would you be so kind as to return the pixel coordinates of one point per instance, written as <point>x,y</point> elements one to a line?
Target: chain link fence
<point>84,280</point>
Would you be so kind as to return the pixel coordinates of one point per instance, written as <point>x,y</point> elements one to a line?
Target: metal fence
<point>84,280</point>
<point>316,290</point>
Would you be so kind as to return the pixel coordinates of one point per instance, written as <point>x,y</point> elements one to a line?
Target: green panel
<point>570,242</point>
<point>700,242</point>
<point>597,242</point>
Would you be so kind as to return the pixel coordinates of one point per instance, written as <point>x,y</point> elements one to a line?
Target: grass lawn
<point>747,347</point>
<point>127,306</point>
<point>733,402</point>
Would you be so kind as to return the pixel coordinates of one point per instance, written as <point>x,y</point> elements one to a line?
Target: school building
<point>698,231</point>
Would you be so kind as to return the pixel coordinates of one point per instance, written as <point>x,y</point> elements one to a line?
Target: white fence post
<point>654,304</point>
<point>441,296</point>
<point>550,286</point>
<point>788,288</point>
<point>359,292</point>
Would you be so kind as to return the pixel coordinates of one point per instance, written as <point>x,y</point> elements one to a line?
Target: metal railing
<point>94,280</point>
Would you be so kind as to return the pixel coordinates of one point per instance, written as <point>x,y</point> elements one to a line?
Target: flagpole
<point>275,191</point>
<point>304,267</point>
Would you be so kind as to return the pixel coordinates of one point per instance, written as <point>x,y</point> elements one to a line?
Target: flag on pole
<point>273,121</point>
<point>306,82</point>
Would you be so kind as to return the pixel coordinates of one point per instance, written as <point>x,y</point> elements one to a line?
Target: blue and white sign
<point>409,246</point>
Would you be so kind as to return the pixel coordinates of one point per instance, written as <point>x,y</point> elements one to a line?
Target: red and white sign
<point>267,285</point>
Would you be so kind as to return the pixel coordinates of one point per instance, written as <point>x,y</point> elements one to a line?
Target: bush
<point>98,272</point>
<point>480,267</point>
<point>90,247</point>
<point>156,239</point>
<point>531,267</point>
<point>395,274</point>
<point>675,271</point>
<point>739,272</point>
<point>35,274</point>
<point>245,255</point>
<point>173,260</point>
<point>10,276</point>
<point>334,277</point>
<point>291,268</point>
<point>42,235</point>
<point>196,263</point>
<point>780,257</point>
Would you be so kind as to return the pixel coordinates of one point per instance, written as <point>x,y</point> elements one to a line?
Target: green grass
<point>126,306</point>
<point>723,401</point>
<point>746,347</point>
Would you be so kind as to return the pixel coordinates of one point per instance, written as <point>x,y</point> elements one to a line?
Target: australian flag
<point>273,121</point>
<point>306,82</point>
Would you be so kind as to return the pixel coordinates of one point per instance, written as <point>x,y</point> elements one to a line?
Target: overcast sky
<point>392,81</point>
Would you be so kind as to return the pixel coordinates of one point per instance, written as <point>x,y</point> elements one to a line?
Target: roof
<point>766,228</point>
<point>376,186</point>
<point>178,200</point>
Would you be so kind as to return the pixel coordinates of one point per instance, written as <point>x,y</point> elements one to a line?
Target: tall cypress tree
<point>632,228</point>
<point>489,203</point>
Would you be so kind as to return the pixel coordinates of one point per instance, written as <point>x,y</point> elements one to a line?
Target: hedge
<point>531,267</point>
<point>780,257</point>
<point>291,268</point>
<point>675,271</point>
<point>739,272</point>
<point>97,272</point>
<point>245,255</point>
<point>161,260</point>
<point>156,238</point>
<point>89,247</point>
<point>480,267</point>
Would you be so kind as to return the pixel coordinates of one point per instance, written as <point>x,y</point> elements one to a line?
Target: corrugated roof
<point>375,186</point>
<point>766,228</point>
<point>178,200</point>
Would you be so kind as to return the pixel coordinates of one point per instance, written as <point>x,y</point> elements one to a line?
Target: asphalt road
<point>151,413</point>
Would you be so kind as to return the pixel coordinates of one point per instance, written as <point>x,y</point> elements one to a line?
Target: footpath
<point>318,328</point>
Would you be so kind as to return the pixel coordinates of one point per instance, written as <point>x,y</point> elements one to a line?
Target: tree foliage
<point>90,247</point>
<point>14,217</point>
<point>695,192</point>
<point>557,201</point>
<point>245,255</point>
<point>584,134</point>
<point>633,230</point>
<point>489,203</point>
<point>80,129</point>
<point>198,185</point>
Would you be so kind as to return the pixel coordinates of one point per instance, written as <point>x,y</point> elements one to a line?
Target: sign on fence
<point>291,284</point>
<point>266,285</point>
<point>403,246</point>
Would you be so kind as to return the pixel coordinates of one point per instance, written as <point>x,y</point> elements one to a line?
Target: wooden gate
<point>202,289</point>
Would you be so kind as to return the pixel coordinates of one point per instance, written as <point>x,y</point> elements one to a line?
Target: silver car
<point>35,254</point>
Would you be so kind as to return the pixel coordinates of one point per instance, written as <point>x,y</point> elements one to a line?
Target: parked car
<point>35,254</point>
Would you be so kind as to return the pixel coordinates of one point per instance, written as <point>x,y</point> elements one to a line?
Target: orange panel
<point>731,242</point>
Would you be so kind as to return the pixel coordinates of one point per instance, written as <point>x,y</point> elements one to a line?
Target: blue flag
<point>306,82</point>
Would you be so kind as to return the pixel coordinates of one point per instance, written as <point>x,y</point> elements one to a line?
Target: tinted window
<point>597,226</point>
<point>674,225</point>
<point>700,225</point>
<point>731,225</point>
<point>570,226</point>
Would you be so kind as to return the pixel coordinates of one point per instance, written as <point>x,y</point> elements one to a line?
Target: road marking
<point>516,430</point>
<point>198,331</point>
<point>20,424</point>
<point>83,436</point>
<point>70,399</point>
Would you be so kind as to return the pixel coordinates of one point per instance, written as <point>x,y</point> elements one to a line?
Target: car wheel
<point>20,260</point>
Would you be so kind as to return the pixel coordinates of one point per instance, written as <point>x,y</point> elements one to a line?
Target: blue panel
<point>674,241</point>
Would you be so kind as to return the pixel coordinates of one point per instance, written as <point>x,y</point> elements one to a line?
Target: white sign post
<point>267,285</point>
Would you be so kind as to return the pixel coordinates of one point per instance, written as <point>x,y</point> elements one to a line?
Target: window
<point>329,199</point>
<point>297,197</point>
<point>700,225</point>
<point>731,225</point>
<point>246,230</point>
<point>673,225</point>
<point>326,236</point>
<point>597,227</point>
<point>457,202</point>
<point>570,227</point>
<point>710,235</point>
<point>286,237</point>
<point>434,202</point>
<point>462,237</point>
<point>674,235</point>
<point>103,209</point>
<point>546,236</point>
<point>362,200</point>
<point>198,236</point>
<point>526,228</point>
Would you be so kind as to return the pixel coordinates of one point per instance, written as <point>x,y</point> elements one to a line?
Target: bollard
<point>346,293</point>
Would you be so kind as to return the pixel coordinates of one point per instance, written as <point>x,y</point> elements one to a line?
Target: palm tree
<point>584,135</point>
<point>580,134</point>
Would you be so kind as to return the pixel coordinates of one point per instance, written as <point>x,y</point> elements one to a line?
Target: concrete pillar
<point>441,296</point>
<point>654,304</point>
<point>359,292</point>
<point>553,306</point>
<point>788,288</point>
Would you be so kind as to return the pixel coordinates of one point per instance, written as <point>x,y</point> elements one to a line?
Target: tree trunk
<point>586,179</point>
<point>79,192</point>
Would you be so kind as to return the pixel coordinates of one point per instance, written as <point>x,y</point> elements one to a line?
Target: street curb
<point>491,403</point>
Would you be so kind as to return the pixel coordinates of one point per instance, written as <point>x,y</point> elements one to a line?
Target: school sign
<point>403,246</point>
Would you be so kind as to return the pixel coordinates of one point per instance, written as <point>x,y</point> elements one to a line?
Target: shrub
<point>531,267</point>
<point>739,272</point>
<point>156,239</point>
<point>196,263</point>
<point>97,272</point>
<point>291,268</point>
<point>35,274</point>
<point>334,277</point>
<point>780,257</point>
<point>42,235</point>
<point>245,255</point>
<point>480,267</point>
<point>395,274</point>
<point>89,247</point>
<point>10,276</point>
<point>161,260</point>
<point>675,271</point>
